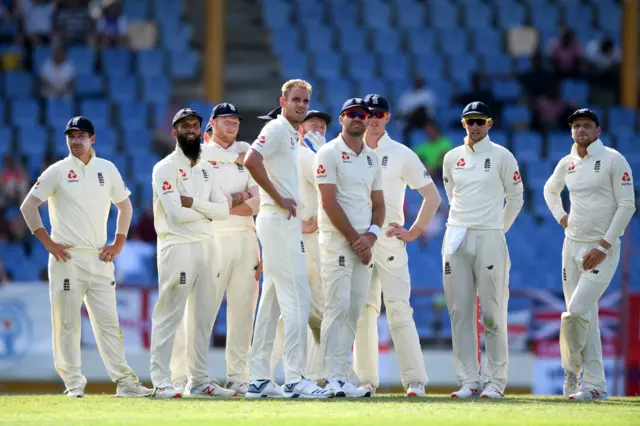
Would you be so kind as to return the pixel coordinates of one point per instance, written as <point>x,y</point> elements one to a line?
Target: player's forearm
<point>125,213</point>
<point>511,209</point>
<point>259,174</point>
<point>621,219</point>
<point>31,214</point>
<point>378,210</point>
<point>242,210</point>
<point>554,202</point>
<point>212,210</point>
<point>339,219</point>
<point>43,236</point>
<point>211,153</point>
<point>430,202</point>
<point>253,203</point>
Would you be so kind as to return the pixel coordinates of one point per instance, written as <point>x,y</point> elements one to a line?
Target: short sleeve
<point>414,173</point>
<point>326,166</point>
<point>119,190</point>
<point>377,180</point>
<point>269,140</point>
<point>46,185</point>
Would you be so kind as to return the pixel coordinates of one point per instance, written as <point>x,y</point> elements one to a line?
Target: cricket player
<point>400,167</point>
<point>237,251</point>
<point>272,161</point>
<point>602,204</point>
<point>80,190</point>
<point>349,178</point>
<point>186,200</point>
<point>478,176</point>
<point>312,133</point>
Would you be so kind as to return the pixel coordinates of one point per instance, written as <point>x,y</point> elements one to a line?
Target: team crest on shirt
<point>320,171</point>
<point>571,168</point>
<point>461,164</point>
<point>346,158</point>
<point>292,141</point>
<point>385,161</point>
<point>626,179</point>
<point>72,176</point>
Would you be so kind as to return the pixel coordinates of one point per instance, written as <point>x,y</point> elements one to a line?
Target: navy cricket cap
<point>319,114</point>
<point>584,113</point>
<point>272,115</point>
<point>354,103</point>
<point>208,128</point>
<point>225,110</point>
<point>80,123</point>
<point>479,108</point>
<point>377,102</point>
<point>185,112</point>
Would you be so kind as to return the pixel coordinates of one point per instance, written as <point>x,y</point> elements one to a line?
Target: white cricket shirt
<point>477,181</point>
<point>307,182</point>
<point>233,178</point>
<point>601,193</point>
<point>277,143</point>
<point>173,176</point>
<point>355,176</point>
<point>79,198</point>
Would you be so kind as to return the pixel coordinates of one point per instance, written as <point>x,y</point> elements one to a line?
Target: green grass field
<point>387,410</point>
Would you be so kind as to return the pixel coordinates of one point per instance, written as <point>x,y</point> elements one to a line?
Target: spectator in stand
<point>17,228</point>
<point>417,107</point>
<point>37,20</point>
<point>603,69</point>
<point>112,26</point>
<point>565,54</point>
<point>537,80</point>
<point>57,75</point>
<point>8,22</point>
<point>549,110</point>
<point>73,23</point>
<point>14,182</point>
<point>479,91</point>
<point>432,150</point>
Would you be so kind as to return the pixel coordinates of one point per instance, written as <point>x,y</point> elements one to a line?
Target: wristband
<point>375,230</point>
<point>602,249</point>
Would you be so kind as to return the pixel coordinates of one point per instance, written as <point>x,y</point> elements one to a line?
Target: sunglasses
<point>478,121</point>
<point>378,114</point>
<point>362,115</point>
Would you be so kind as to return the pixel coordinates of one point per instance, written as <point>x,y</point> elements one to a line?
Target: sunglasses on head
<point>378,114</point>
<point>478,121</point>
<point>362,115</point>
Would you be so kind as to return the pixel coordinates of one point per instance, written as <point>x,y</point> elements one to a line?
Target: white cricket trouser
<point>580,345</point>
<point>390,278</point>
<point>346,282</point>
<point>314,365</point>
<point>85,277</point>
<point>237,258</point>
<point>187,282</point>
<point>285,290</point>
<point>480,266</point>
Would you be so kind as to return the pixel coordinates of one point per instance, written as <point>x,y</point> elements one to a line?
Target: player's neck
<point>220,142</point>
<point>294,124</point>
<point>85,158</point>
<point>353,142</point>
<point>372,140</point>
<point>583,150</point>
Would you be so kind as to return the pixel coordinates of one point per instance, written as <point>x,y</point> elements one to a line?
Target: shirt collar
<point>75,160</point>
<point>384,140</point>
<point>345,147</point>
<point>482,146</point>
<point>180,158</point>
<point>287,125</point>
<point>593,149</point>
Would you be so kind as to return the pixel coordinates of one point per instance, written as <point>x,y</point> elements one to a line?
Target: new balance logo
<point>240,168</point>
<point>490,267</point>
<point>183,278</point>
<point>369,161</point>
<point>100,179</point>
<point>447,268</point>
<point>290,387</point>
<point>385,160</point>
<point>596,166</point>
<point>66,285</point>
<point>487,164</point>
<point>390,258</point>
<point>259,388</point>
<point>302,246</point>
<point>113,283</point>
<point>341,261</point>
<point>595,271</point>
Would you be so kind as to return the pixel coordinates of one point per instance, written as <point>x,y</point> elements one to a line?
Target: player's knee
<point>575,311</point>
<point>492,323</point>
<point>399,313</point>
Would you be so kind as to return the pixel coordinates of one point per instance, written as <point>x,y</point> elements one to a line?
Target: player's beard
<point>190,148</point>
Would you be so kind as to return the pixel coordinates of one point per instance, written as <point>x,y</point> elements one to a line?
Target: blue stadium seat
<point>621,118</point>
<point>294,64</point>
<point>575,91</point>
<point>463,63</point>
<point>25,112</point>
<point>577,16</point>
<point>377,14</point>
<point>361,64</point>
<point>142,166</point>
<point>386,41</point>
<point>156,88</point>
<point>133,114</point>
<point>545,16</point>
<point>443,14</point>
<point>150,62</point>
<point>506,90</point>
<point>17,84</point>
<point>421,41</point>
<point>177,38</point>
<point>454,41</point>
<point>122,89</point>
<point>106,137</point>
<point>487,41</point>
<point>184,64</point>
<point>496,65</point>
<point>527,144</point>
<point>394,65</point>
<point>500,137</point>
<point>410,14</point>
<point>516,116</point>
<point>285,40</point>
<point>89,85</point>
<point>370,85</point>
<point>352,39</point>
<point>477,15</point>
<point>522,65</point>
<point>309,11</point>
<point>136,10</point>
<point>327,64</point>
<point>277,14</point>
<point>116,62</point>
<point>511,14</point>
<point>343,13</point>
<point>6,135</point>
<point>609,17</point>
<point>319,39</point>
<point>97,111</point>
<point>2,112</point>
<point>58,111</point>
<point>83,59</point>
<point>558,144</point>
<point>430,67</point>
<point>39,56</point>
<point>338,85</point>
<point>136,140</point>
<point>121,162</point>
<point>33,140</point>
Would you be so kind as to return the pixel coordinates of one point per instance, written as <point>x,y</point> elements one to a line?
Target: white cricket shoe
<point>208,390</point>
<point>306,389</point>
<point>166,392</point>
<point>335,386</point>
<point>351,391</point>
<point>571,384</point>
<point>180,386</point>
<point>263,389</point>
<point>416,389</point>
<point>132,390</point>
<point>491,393</point>
<point>466,392</point>
<point>589,395</point>
<point>75,393</point>
<point>367,385</point>
<point>240,387</point>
